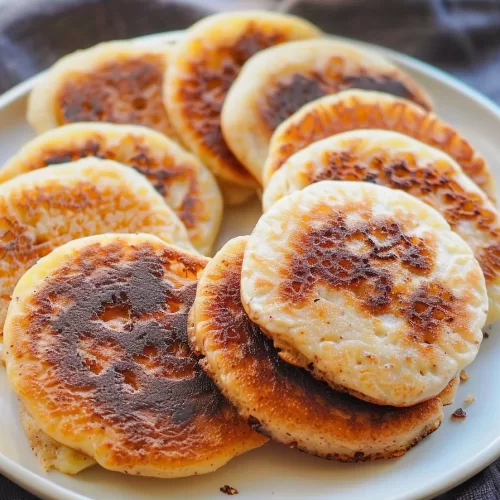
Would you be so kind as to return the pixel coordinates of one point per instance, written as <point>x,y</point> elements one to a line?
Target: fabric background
<point>460,36</point>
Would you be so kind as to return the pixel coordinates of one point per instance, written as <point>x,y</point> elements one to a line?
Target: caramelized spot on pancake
<point>123,91</point>
<point>289,96</point>
<point>289,93</point>
<point>119,339</point>
<point>430,308</point>
<point>212,74</point>
<point>359,259</point>
<point>433,183</point>
<point>162,171</point>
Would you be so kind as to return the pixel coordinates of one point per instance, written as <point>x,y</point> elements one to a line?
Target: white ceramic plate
<point>449,456</point>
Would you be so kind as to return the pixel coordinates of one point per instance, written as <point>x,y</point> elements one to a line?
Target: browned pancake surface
<point>109,359</point>
<point>127,90</point>
<point>286,402</point>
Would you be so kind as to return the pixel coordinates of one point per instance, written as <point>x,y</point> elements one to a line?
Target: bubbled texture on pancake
<point>283,401</point>
<point>186,184</point>
<point>45,208</point>
<point>105,368</point>
<point>368,284</point>
<point>400,162</point>
<point>118,82</point>
<point>50,453</point>
<point>205,64</point>
<point>358,109</point>
<point>277,82</point>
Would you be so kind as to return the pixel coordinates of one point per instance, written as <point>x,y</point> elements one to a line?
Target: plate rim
<point>45,488</point>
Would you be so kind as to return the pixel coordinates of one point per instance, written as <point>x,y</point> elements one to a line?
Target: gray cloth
<point>460,36</point>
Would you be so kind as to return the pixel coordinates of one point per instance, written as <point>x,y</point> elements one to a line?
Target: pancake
<point>185,183</point>
<point>234,195</point>
<point>276,83</point>
<point>285,402</point>
<point>205,64</point>
<point>52,455</point>
<point>45,208</point>
<point>370,286</point>
<point>118,82</point>
<point>360,109</point>
<point>106,369</point>
<point>400,162</point>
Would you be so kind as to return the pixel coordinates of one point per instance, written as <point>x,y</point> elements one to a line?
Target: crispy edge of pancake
<point>50,453</point>
<point>69,138</point>
<point>229,448</point>
<point>235,367</point>
<point>41,113</point>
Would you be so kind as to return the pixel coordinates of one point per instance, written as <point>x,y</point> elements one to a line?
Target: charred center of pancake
<point>432,182</point>
<point>210,76</point>
<point>288,94</point>
<point>125,91</point>
<point>360,258</point>
<point>162,170</point>
<point>119,330</point>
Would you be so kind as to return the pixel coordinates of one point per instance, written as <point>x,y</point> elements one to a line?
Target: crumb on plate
<point>464,376</point>
<point>458,414</point>
<point>229,490</point>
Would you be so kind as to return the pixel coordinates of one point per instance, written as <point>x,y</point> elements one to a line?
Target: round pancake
<point>360,109</point>
<point>45,208</point>
<point>185,183</point>
<point>205,64</point>
<point>285,402</point>
<point>118,82</point>
<point>106,369</point>
<point>50,453</point>
<point>370,286</point>
<point>400,162</point>
<point>233,195</point>
<point>277,82</point>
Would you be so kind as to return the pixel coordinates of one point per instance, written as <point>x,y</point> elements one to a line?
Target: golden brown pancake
<point>205,64</point>
<point>360,109</point>
<point>285,402</point>
<point>370,286</point>
<point>97,350</point>
<point>45,208</point>
<point>187,186</point>
<point>278,81</point>
<point>118,82</point>
<point>400,162</point>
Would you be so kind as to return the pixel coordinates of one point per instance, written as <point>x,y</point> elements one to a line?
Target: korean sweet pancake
<point>203,67</point>
<point>187,186</point>
<point>45,208</point>
<point>400,162</point>
<point>368,287</point>
<point>106,369</point>
<point>275,83</point>
<point>283,401</point>
<point>118,82</point>
<point>360,109</point>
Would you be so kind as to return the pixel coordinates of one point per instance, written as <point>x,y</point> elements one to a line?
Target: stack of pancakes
<point>339,327</point>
